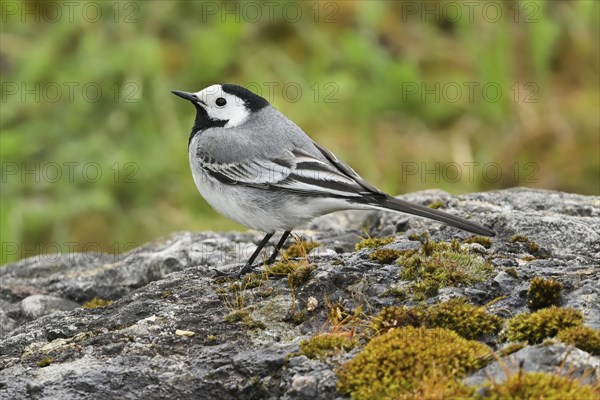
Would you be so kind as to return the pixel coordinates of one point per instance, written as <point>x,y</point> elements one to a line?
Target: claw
<point>246,268</point>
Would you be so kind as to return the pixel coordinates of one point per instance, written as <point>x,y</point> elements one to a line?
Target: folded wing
<point>301,173</point>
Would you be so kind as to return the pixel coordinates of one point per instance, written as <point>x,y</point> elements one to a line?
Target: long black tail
<point>394,204</point>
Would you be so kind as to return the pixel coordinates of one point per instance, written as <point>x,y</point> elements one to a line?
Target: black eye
<point>221,102</point>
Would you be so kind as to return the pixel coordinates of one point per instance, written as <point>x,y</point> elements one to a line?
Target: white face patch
<point>220,105</point>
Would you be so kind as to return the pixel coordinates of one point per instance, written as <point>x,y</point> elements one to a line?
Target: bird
<point>255,166</point>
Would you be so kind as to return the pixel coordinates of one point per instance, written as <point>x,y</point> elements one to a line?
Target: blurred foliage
<point>385,85</point>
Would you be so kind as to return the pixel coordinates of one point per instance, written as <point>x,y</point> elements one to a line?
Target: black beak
<point>185,95</point>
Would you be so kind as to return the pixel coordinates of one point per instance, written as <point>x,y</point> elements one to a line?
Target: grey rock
<point>175,329</point>
<point>474,248</point>
<point>503,279</point>
<point>303,387</point>
<point>323,252</point>
<point>587,298</point>
<point>556,358</point>
<point>35,306</point>
<point>7,323</point>
<point>308,379</point>
<point>401,246</point>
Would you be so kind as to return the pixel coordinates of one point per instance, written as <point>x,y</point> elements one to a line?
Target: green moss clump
<point>457,315</point>
<point>221,291</point>
<point>414,237</point>
<point>394,292</point>
<point>299,249</point>
<point>543,293</point>
<point>96,303</point>
<point>440,264</point>
<point>236,316</point>
<point>221,280</point>
<point>537,385</point>
<point>371,243</point>
<point>532,247</point>
<point>385,256</point>
<point>547,322</point>
<point>298,272</point>
<point>44,362</point>
<point>467,320</point>
<point>282,268</point>
<point>421,290</point>
<point>396,363</point>
<point>326,345</point>
<point>301,275</point>
<point>244,317</point>
<point>436,204</point>
<point>582,337</point>
<point>252,280</point>
<point>264,292</point>
<point>253,324</point>
<point>482,240</point>
<point>396,317</point>
<point>512,272</point>
<point>298,317</point>
<point>235,287</point>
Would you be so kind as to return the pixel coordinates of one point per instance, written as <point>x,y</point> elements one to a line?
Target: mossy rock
<point>436,204</point>
<point>244,316</point>
<point>371,243</point>
<point>299,249</point>
<point>545,323</point>
<point>543,293</point>
<point>397,363</point>
<point>512,272</point>
<point>532,247</point>
<point>537,385</point>
<point>469,321</point>
<point>482,240</point>
<point>253,280</point>
<point>385,256</point>
<point>396,317</point>
<point>326,345</point>
<point>582,337</point>
<point>439,264</point>
<point>298,272</point>
<point>44,362</point>
<point>96,302</point>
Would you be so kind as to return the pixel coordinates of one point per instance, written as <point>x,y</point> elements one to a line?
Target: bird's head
<point>223,105</point>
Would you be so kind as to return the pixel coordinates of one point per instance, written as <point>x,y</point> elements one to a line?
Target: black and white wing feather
<point>300,173</point>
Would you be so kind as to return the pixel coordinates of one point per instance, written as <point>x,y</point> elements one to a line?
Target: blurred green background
<point>94,145</point>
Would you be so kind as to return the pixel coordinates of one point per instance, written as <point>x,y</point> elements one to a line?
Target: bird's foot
<point>233,271</point>
<point>248,268</point>
<point>245,269</point>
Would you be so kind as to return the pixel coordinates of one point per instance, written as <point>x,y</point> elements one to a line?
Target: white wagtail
<point>255,166</point>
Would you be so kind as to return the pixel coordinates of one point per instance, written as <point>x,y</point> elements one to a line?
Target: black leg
<point>278,247</point>
<point>248,266</point>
